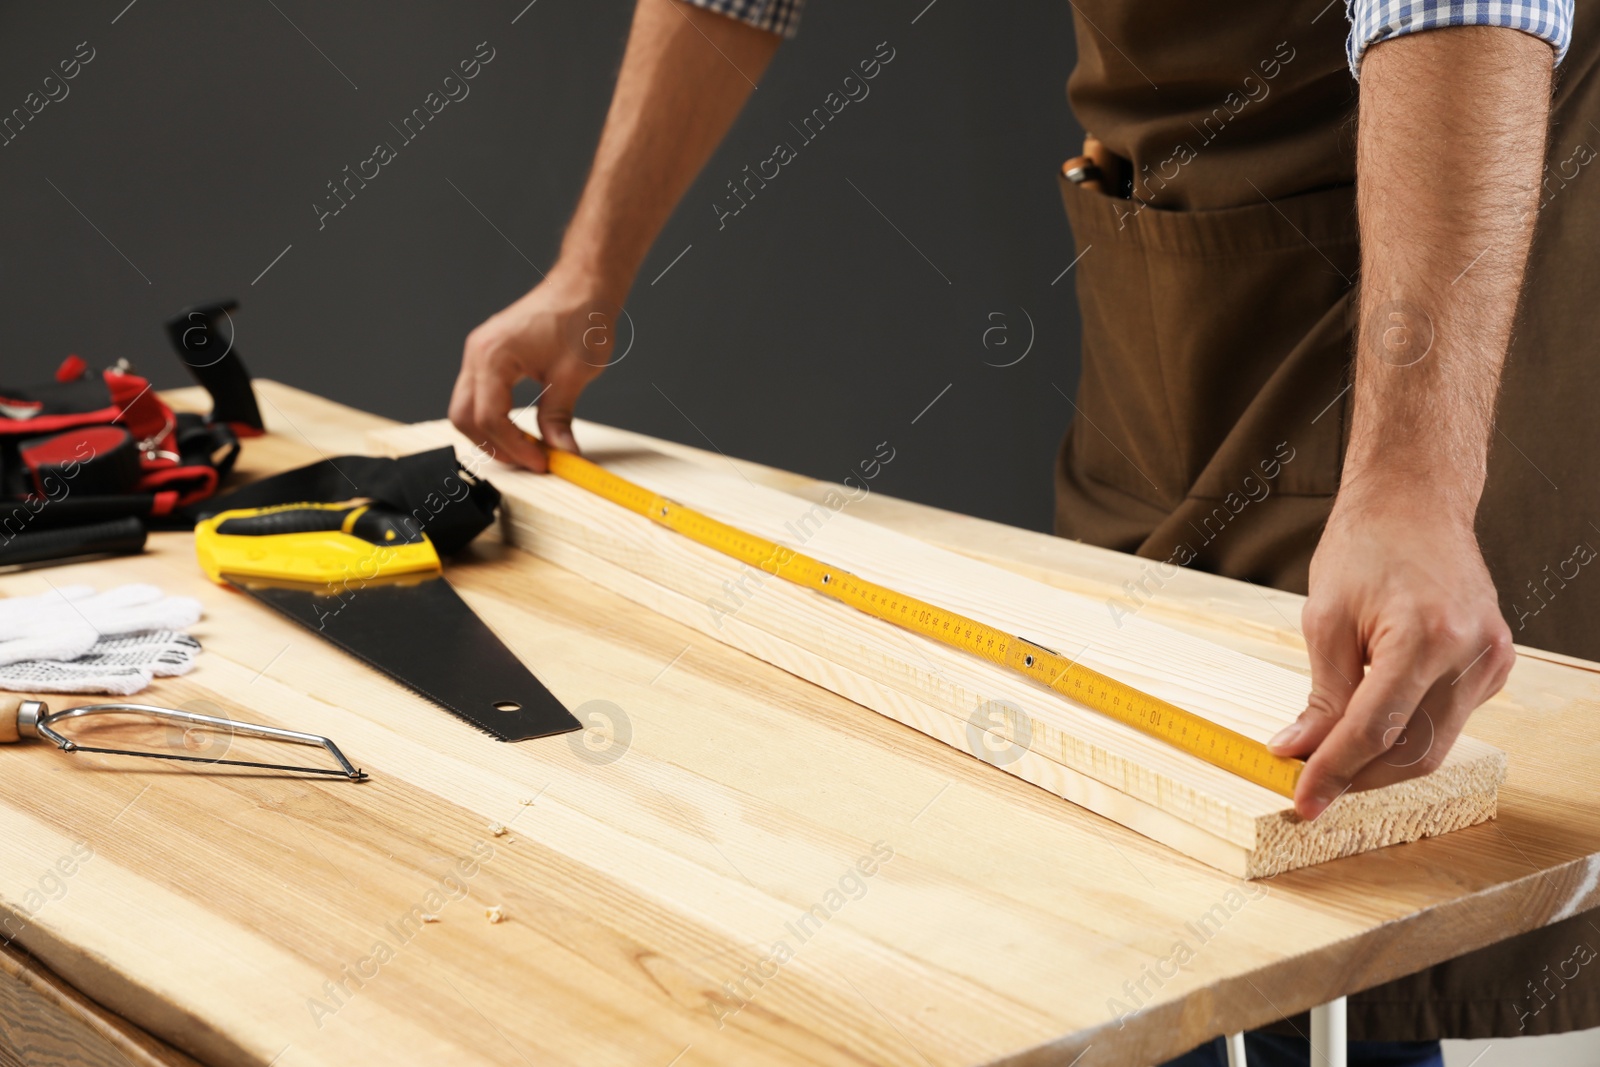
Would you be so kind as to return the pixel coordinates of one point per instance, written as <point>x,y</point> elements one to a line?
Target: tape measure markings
<point>1185,730</point>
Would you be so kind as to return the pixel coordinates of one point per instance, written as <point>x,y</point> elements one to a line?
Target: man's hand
<point>686,74</point>
<point>1397,582</point>
<point>560,335</point>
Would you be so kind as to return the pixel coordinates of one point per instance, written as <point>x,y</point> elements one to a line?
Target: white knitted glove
<point>74,640</point>
<point>65,623</point>
<point>121,665</point>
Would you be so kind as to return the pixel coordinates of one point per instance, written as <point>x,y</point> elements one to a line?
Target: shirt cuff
<point>781,17</point>
<point>1372,21</point>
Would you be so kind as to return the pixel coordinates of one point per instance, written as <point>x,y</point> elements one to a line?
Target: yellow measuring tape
<point>1217,745</point>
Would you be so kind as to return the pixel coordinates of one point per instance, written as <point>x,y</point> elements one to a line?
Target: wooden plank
<point>1201,810</point>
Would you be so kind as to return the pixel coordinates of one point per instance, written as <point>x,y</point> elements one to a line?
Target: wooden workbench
<point>656,890</point>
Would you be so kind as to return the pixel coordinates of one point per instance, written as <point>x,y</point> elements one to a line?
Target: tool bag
<point>90,447</point>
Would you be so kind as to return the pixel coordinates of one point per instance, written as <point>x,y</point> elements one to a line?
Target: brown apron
<point>1213,406</point>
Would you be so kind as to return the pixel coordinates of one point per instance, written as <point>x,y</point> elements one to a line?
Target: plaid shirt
<point>1371,21</point>
<point>775,16</point>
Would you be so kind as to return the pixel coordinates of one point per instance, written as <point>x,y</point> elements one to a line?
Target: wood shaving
<point>495,914</point>
<point>498,829</point>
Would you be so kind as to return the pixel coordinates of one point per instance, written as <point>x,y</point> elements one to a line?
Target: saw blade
<point>424,636</point>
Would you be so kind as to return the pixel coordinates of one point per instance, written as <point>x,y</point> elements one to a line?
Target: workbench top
<point>741,868</point>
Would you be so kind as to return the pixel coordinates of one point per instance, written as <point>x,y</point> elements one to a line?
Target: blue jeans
<point>1271,1050</point>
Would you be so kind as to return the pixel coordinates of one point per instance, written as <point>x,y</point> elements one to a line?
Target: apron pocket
<point>1216,345</point>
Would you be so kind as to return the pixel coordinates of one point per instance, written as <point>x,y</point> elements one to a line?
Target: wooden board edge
<point>145,1007</point>
<point>79,1023</point>
<point>1287,986</point>
<point>1461,793</point>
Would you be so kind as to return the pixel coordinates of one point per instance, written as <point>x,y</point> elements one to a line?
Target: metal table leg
<point>1328,1035</point>
<point>1328,1038</point>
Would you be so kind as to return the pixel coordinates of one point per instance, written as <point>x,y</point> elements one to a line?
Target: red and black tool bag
<point>89,447</point>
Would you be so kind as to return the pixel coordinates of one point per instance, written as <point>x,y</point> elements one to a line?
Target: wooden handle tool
<point>24,717</point>
<point>19,715</point>
<point>1098,169</point>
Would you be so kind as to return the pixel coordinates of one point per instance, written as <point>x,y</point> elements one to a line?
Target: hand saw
<point>363,577</point>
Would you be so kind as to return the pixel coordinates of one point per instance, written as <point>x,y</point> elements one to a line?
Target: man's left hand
<point>1397,582</point>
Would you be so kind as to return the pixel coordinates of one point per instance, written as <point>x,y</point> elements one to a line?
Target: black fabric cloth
<point>444,501</point>
<point>1272,1050</point>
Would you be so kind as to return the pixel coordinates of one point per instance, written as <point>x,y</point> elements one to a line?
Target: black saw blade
<point>424,636</point>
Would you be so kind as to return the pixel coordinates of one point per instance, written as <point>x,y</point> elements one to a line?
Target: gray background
<point>191,149</point>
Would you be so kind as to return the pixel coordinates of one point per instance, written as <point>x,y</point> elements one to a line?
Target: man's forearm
<point>1449,157</point>
<point>1401,618</point>
<point>685,75</point>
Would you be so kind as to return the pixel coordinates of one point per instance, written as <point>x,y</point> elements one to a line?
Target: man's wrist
<point>601,249</point>
<point>596,279</point>
<point>1448,494</point>
<point>1417,435</point>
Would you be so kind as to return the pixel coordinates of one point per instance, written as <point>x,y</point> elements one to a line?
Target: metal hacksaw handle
<point>24,717</point>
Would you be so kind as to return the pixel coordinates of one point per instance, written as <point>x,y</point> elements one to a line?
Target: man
<point>1237,206</point>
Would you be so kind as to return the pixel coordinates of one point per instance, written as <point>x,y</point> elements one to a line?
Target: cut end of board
<point>1089,759</point>
<point>1463,792</point>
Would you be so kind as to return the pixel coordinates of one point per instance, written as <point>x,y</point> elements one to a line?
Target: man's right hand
<point>560,335</point>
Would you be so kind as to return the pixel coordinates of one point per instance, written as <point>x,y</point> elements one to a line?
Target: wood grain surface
<point>1025,730</point>
<point>732,866</point>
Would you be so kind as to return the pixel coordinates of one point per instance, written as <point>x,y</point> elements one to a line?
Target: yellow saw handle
<point>312,543</point>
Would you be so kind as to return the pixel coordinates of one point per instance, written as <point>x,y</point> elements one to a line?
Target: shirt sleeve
<point>1372,21</point>
<point>775,16</point>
